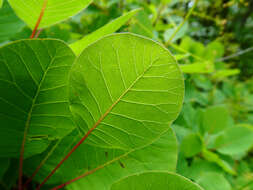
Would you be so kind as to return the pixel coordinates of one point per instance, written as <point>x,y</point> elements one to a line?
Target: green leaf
<point>109,28</point>
<point>10,23</point>
<point>226,73</point>
<point>191,145</point>
<point>155,181</point>
<point>215,119</point>
<point>33,99</point>
<point>214,50</point>
<point>169,32</point>
<point>56,11</point>
<point>125,90</point>
<point>212,180</point>
<point>206,67</point>
<point>142,25</point>
<point>213,157</point>
<point>4,164</point>
<point>111,164</point>
<point>235,140</point>
<point>1,3</point>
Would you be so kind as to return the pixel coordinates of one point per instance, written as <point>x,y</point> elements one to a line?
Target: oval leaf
<point>56,10</point>
<point>125,91</point>
<point>154,181</point>
<point>34,97</point>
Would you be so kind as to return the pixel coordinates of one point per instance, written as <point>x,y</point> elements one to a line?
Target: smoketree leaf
<point>126,90</point>
<point>34,97</point>
<point>56,10</point>
<point>154,181</point>
<point>113,164</point>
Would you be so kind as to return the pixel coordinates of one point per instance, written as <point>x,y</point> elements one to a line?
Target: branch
<point>182,23</point>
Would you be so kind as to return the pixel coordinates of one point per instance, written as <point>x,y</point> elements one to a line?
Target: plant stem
<point>182,23</point>
<point>41,164</point>
<point>39,19</point>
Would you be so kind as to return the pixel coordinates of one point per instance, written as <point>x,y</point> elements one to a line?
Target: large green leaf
<point>1,3</point>
<point>111,27</point>
<point>111,164</point>
<point>155,181</point>
<point>10,24</point>
<point>56,10</point>
<point>126,90</point>
<point>34,97</point>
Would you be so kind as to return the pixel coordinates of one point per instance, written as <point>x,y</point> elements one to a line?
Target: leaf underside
<point>33,99</point>
<point>154,181</point>
<point>126,89</point>
<point>56,10</point>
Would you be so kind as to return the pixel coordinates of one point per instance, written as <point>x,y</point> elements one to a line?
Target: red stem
<point>77,178</point>
<point>82,140</point>
<point>72,150</point>
<point>39,19</point>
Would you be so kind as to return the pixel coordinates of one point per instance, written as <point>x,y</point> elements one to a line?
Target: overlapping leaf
<point>126,90</point>
<point>34,97</point>
<point>154,181</point>
<point>113,164</point>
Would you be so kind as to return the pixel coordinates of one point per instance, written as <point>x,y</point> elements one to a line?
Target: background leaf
<point>111,27</point>
<point>10,24</point>
<point>234,140</point>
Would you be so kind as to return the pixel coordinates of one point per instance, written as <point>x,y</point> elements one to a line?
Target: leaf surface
<point>125,91</point>
<point>56,10</point>
<point>154,181</point>
<point>112,164</point>
<point>34,97</point>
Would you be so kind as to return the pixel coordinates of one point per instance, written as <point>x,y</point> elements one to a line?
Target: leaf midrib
<point>29,116</point>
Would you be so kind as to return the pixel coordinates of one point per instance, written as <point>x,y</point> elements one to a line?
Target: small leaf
<point>56,11</point>
<point>191,145</point>
<point>235,140</point>
<point>226,73</point>
<point>109,28</point>
<point>216,119</point>
<point>155,181</point>
<point>206,67</point>
<point>125,90</point>
<point>33,99</point>
<point>213,180</point>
